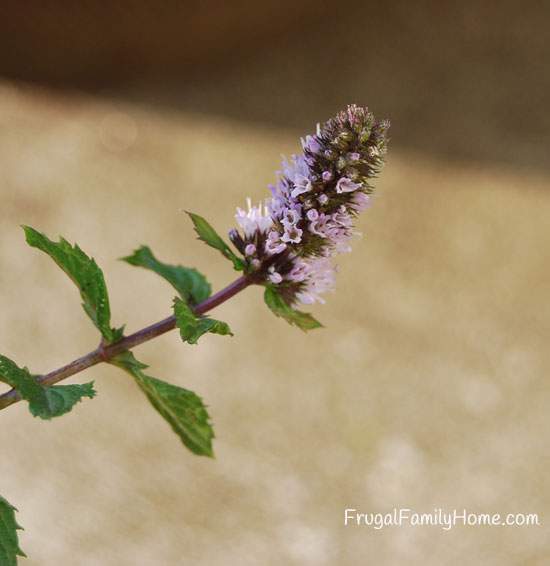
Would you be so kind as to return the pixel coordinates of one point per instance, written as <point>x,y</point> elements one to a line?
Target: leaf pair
<point>182,409</point>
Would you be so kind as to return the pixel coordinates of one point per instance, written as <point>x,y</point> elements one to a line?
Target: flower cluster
<point>290,239</point>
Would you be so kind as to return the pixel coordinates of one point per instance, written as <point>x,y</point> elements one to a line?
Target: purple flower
<point>301,185</point>
<point>292,235</point>
<point>312,214</point>
<point>255,219</point>
<point>311,144</point>
<point>250,249</point>
<point>290,240</point>
<point>273,244</point>
<point>345,185</point>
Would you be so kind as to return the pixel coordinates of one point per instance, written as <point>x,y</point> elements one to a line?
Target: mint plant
<point>286,244</point>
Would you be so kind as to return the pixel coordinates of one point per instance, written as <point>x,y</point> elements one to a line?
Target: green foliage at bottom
<point>9,541</point>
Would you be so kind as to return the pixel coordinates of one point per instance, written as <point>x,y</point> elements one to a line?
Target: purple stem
<point>104,353</point>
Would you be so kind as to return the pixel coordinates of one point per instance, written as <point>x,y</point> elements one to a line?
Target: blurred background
<point>428,386</point>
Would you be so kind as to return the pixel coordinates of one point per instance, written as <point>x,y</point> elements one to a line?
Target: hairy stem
<point>105,352</point>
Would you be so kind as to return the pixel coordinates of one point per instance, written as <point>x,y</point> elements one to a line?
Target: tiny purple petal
<point>312,214</point>
<point>345,185</point>
<point>292,235</point>
<point>301,185</point>
<point>360,201</point>
<point>275,277</point>
<point>291,218</point>
<point>311,144</point>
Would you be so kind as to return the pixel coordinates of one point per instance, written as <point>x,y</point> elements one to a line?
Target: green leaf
<point>188,282</point>
<point>9,541</point>
<point>182,409</point>
<point>208,235</point>
<point>45,401</point>
<point>20,379</point>
<point>192,327</point>
<point>60,399</point>
<point>279,306</point>
<point>85,274</point>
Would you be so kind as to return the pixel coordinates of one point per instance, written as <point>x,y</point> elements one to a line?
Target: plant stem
<point>105,352</point>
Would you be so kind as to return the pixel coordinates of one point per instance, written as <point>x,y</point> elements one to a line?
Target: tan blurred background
<point>428,386</point>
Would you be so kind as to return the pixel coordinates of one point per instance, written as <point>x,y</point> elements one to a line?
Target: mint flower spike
<point>290,239</point>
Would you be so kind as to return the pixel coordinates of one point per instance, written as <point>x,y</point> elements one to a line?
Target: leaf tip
<point>29,232</point>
